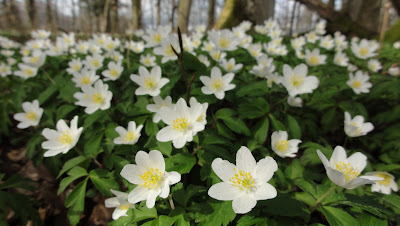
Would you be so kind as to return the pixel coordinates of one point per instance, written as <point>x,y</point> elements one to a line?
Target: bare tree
<point>211,14</point>
<point>158,12</point>
<point>235,11</point>
<point>31,9</point>
<point>104,16</point>
<point>49,16</point>
<point>136,14</point>
<point>184,14</point>
<point>10,13</point>
<point>114,16</point>
<point>173,14</point>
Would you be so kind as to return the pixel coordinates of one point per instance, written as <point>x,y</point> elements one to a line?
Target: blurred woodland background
<point>353,17</point>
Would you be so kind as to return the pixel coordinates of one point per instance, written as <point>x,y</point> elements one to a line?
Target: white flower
<point>341,59</point>
<point>255,50</point>
<point>4,70</point>
<point>282,146</point>
<point>82,47</point>
<point>158,104</point>
<point>94,98</point>
<point>149,83</point>
<point>182,123</point>
<point>320,27</point>
<point>394,71</point>
<point>148,60</point>
<point>114,71</point>
<point>137,47</point>
<point>273,78</point>
<point>365,49</point>
<point>295,101</point>
<point>396,45</point>
<point>202,118</point>
<point>230,65</point>
<point>150,176</point>
<point>359,82</point>
<point>31,116</point>
<point>374,65</point>
<point>297,82</point>
<point>386,185</point>
<point>246,182</point>
<point>128,136</point>
<point>85,77</point>
<point>208,46</point>
<point>154,38</point>
<point>314,58</point>
<point>26,71</point>
<point>327,42</point>
<point>63,139</point>
<point>41,34</point>
<point>75,66</point>
<point>312,37</point>
<point>298,43</point>
<point>345,171</point>
<point>356,127</point>
<point>165,49</point>
<point>224,40</point>
<point>94,62</point>
<point>36,60</point>
<point>120,203</point>
<point>217,55</point>
<point>204,60</point>
<point>217,84</point>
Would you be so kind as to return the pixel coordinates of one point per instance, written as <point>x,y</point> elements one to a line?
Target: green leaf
<point>95,117</point>
<point>92,147</point>
<point>364,203</point>
<point>143,213</point>
<point>368,220</point>
<point>253,89</point>
<point>192,63</point>
<point>306,186</point>
<point>393,200</point>
<point>76,202</point>
<point>294,170</point>
<point>219,213</point>
<point>292,207</point>
<point>237,125</point>
<point>74,174</point>
<point>182,162</point>
<point>294,128</point>
<point>71,163</point>
<point>151,128</point>
<point>224,131</point>
<point>338,217</point>
<point>247,220</point>
<point>224,113</point>
<point>276,124</point>
<point>165,147</point>
<point>44,96</point>
<point>262,131</point>
<point>255,108</point>
<point>103,184</point>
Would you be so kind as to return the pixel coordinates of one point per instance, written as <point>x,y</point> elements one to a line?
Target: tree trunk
<point>104,16</point>
<point>183,15</point>
<point>172,14</point>
<point>114,17</point>
<point>158,12</point>
<point>136,14</point>
<point>292,18</point>
<point>235,11</point>
<point>49,16</point>
<point>73,15</point>
<point>211,14</point>
<point>10,13</point>
<point>396,5</point>
<point>31,9</point>
<point>354,19</point>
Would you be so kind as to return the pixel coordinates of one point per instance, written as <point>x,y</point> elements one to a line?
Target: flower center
<point>282,146</point>
<point>217,84</point>
<point>296,80</point>
<point>147,61</point>
<point>130,136</point>
<point>242,180</point>
<point>152,178</point>
<point>114,72</point>
<point>66,138</point>
<point>347,169</point>
<point>95,63</point>
<point>364,51</point>
<point>76,67</point>
<point>31,115</point>
<point>126,206</point>
<point>97,98</point>
<point>150,83</point>
<point>313,60</point>
<point>180,124</point>
<point>28,71</point>
<point>34,59</point>
<point>224,42</point>
<point>85,80</point>
<point>157,38</point>
<point>168,51</point>
<point>356,84</point>
<point>3,69</point>
<point>386,179</point>
<point>229,67</point>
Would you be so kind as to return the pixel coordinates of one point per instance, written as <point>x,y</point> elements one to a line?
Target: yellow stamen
<point>125,207</point>
<point>180,124</point>
<point>66,138</point>
<point>150,83</point>
<point>386,178</point>
<point>347,169</point>
<point>95,63</point>
<point>85,80</point>
<point>356,84</point>
<point>242,180</point>
<point>114,72</point>
<point>152,178</point>
<point>31,115</point>
<point>296,80</point>
<point>97,98</point>
<point>224,42</point>
<point>363,51</point>
<point>130,136</point>
<point>282,146</point>
<point>313,60</point>
<point>76,67</point>
<point>28,72</point>
<point>217,84</point>
<point>168,51</point>
<point>34,59</point>
<point>157,38</point>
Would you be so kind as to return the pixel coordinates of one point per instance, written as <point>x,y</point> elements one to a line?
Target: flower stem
<point>171,202</point>
<point>48,76</point>
<point>196,150</point>
<point>319,200</point>
<point>90,158</point>
<point>345,141</point>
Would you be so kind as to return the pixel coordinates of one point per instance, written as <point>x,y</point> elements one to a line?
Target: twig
<point>196,150</point>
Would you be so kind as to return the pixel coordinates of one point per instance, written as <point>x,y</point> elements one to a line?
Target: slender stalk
<point>196,150</point>
<point>345,141</point>
<point>171,202</point>
<point>48,76</point>
<point>90,158</point>
<point>315,205</point>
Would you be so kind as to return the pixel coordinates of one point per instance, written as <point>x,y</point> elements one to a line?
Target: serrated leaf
<point>294,128</point>
<point>92,147</point>
<point>262,130</point>
<point>71,163</point>
<point>338,217</point>
<point>103,184</point>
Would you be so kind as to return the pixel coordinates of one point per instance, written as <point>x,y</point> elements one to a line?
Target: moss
<point>393,33</point>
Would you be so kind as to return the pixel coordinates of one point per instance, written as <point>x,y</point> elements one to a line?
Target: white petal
<point>173,177</point>
<point>167,134</point>
<point>131,173</point>
<point>265,169</point>
<point>224,191</point>
<point>157,160</point>
<point>358,181</point>
<point>111,202</point>
<point>265,191</point>
<point>339,154</point>
<point>244,204</point>
<point>245,160</point>
<point>358,160</point>
<point>151,198</point>
<point>138,194</point>
<point>142,160</point>
<point>119,213</point>
<point>165,191</point>
<point>223,169</point>
<point>336,177</point>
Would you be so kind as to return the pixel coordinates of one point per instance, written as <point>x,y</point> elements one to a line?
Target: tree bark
<point>158,12</point>
<point>31,9</point>
<point>49,16</point>
<point>10,14</point>
<point>184,14</point>
<point>136,14</point>
<point>396,5</point>
<point>354,19</point>
<point>104,16</point>
<point>114,17</point>
<point>235,11</point>
<point>292,19</point>
<point>211,14</point>
<point>173,14</point>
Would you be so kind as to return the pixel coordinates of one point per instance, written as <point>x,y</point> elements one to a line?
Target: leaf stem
<point>322,197</point>
<point>48,76</point>
<point>171,202</point>
<point>90,158</point>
